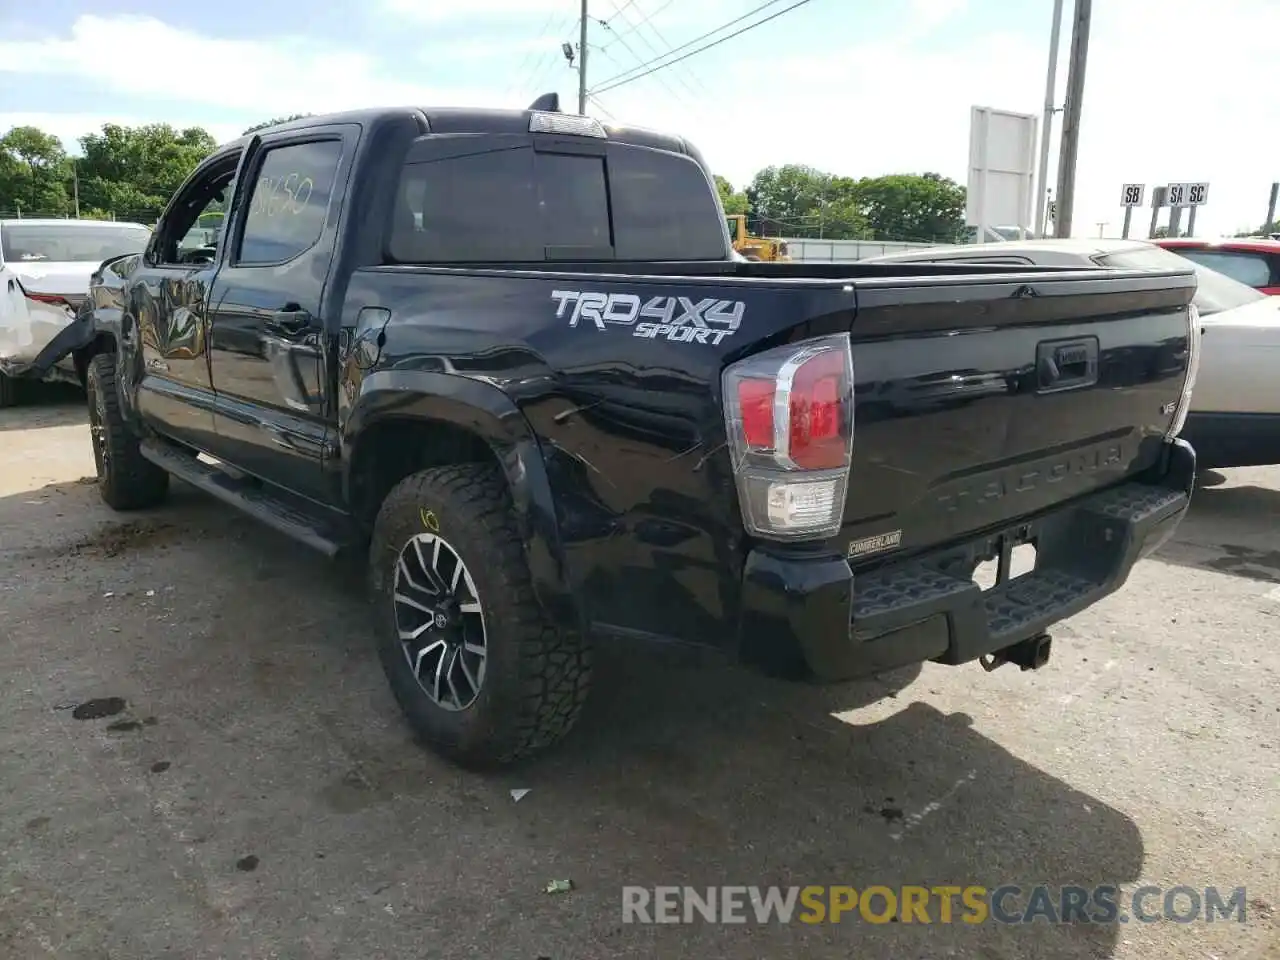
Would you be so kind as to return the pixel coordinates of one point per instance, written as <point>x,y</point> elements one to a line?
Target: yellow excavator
<point>751,247</point>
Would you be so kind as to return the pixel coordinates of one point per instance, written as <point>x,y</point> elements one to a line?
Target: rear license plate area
<point>1020,560</point>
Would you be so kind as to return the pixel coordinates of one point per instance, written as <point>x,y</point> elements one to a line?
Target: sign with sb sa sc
<point>1188,194</point>
<point>1131,194</point>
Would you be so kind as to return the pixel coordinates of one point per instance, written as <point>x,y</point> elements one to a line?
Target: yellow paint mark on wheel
<point>428,518</point>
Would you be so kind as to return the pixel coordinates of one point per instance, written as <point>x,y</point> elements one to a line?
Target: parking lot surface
<point>199,758</point>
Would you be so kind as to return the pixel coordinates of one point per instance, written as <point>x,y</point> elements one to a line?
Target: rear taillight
<point>48,298</point>
<point>789,416</point>
<point>1194,334</point>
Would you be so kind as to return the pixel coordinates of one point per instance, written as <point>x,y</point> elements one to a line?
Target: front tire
<point>482,676</point>
<point>126,479</point>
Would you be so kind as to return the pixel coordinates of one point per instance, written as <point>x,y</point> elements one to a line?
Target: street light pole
<point>1071,118</point>
<point>1046,127</point>
<point>582,62</point>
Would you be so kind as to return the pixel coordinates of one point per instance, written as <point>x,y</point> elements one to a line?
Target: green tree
<point>802,201</point>
<point>272,122</point>
<point>34,172</point>
<point>733,201</point>
<point>133,171</point>
<point>1265,230</point>
<point>927,208</point>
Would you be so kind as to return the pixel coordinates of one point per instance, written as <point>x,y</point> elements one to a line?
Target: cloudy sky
<point>1176,89</point>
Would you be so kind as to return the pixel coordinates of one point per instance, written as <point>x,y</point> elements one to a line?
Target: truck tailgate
<point>980,401</point>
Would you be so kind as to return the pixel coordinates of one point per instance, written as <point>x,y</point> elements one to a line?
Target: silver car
<point>45,267</point>
<point>1235,407</point>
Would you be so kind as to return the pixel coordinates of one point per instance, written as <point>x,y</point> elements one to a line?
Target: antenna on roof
<point>548,102</point>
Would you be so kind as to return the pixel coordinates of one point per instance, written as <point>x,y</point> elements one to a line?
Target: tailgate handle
<point>1067,364</point>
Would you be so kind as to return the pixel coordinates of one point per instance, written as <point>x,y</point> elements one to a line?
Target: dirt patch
<point>118,538</point>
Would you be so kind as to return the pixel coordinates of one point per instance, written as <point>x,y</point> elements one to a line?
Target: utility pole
<point>1071,118</point>
<point>1159,196</point>
<point>1271,206</point>
<point>75,186</point>
<point>1046,127</point>
<point>582,62</point>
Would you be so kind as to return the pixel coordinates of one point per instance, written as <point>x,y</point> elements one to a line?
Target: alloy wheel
<point>440,621</point>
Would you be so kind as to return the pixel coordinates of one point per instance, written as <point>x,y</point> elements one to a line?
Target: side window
<point>1251,269</point>
<point>289,202</point>
<point>663,207</point>
<point>189,234</point>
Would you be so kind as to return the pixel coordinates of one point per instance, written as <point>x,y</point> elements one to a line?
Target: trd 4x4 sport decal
<point>679,319</point>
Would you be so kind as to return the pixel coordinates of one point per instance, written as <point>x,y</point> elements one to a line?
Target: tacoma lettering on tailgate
<point>1024,479</point>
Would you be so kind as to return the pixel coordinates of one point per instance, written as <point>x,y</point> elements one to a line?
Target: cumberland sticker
<point>869,545</point>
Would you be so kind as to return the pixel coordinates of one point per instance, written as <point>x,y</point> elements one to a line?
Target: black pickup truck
<point>508,356</point>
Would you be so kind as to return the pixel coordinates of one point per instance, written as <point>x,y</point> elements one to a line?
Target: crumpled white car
<point>1235,407</point>
<point>45,267</point>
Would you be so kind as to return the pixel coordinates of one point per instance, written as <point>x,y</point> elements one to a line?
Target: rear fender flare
<point>488,413</point>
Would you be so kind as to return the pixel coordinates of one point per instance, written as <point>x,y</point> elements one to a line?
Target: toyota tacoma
<point>508,358</point>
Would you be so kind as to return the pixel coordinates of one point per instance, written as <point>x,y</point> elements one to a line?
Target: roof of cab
<point>469,120</point>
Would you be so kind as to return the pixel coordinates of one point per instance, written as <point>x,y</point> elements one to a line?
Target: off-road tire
<point>8,391</point>
<point>126,479</point>
<point>536,677</point>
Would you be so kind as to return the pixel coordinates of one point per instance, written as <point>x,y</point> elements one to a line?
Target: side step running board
<point>275,510</point>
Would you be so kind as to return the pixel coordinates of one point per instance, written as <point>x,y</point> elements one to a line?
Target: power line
<point>648,16</point>
<point>583,22</point>
<point>618,12</point>
<point>624,78</point>
<point>653,27</point>
<point>657,54</point>
<point>528,58</point>
<point>603,108</point>
<point>640,61</point>
<point>546,63</point>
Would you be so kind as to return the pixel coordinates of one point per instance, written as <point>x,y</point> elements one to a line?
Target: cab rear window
<point>507,203</point>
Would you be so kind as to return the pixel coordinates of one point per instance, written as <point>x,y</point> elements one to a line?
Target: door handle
<point>1067,364</point>
<point>289,323</point>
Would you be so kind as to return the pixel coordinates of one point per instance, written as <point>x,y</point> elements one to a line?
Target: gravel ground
<point>243,786</point>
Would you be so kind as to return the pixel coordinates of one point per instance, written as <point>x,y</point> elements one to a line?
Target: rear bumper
<point>928,607</point>
<point>1233,439</point>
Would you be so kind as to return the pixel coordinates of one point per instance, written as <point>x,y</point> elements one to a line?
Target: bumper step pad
<point>1083,554</point>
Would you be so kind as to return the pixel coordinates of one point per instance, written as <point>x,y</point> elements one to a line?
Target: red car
<point>1254,262</point>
